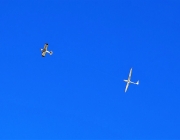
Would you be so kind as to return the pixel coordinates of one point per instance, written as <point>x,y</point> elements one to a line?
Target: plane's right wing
<point>126,87</point>
<point>45,46</point>
<point>130,73</point>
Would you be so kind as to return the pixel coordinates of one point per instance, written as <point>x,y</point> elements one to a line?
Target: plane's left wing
<point>127,85</point>
<point>43,54</point>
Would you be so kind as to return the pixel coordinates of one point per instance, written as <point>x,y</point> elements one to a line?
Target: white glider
<point>44,50</point>
<point>129,80</point>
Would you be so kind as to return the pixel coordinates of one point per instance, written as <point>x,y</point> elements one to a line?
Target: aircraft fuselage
<point>128,81</point>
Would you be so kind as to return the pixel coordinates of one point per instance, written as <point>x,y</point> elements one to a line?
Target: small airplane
<point>44,51</point>
<point>129,80</point>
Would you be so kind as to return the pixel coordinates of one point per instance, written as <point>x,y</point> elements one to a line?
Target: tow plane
<point>44,50</point>
<point>129,80</point>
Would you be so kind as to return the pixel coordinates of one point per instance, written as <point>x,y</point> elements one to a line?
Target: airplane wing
<point>43,54</point>
<point>130,73</point>
<point>45,46</point>
<point>127,85</point>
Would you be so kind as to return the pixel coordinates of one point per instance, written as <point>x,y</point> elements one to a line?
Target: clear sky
<point>78,92</point>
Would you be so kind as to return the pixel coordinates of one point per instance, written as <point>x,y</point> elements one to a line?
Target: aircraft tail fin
<point>51,52</point>
<point>137,82</point>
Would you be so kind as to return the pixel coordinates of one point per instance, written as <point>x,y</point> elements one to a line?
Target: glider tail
<point>137,82</point>
<point>51,52</point>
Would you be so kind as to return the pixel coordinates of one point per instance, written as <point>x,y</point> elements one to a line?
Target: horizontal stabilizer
<point>51,52</point>
<point>137,82</point>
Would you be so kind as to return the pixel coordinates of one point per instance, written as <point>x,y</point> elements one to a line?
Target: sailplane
<point>129,80</point>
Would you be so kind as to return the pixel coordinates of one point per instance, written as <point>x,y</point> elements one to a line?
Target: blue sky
<point>78,92</point>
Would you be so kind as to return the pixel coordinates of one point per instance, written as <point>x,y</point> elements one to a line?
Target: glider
<point>129,80</point>
<point>44,50</point>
